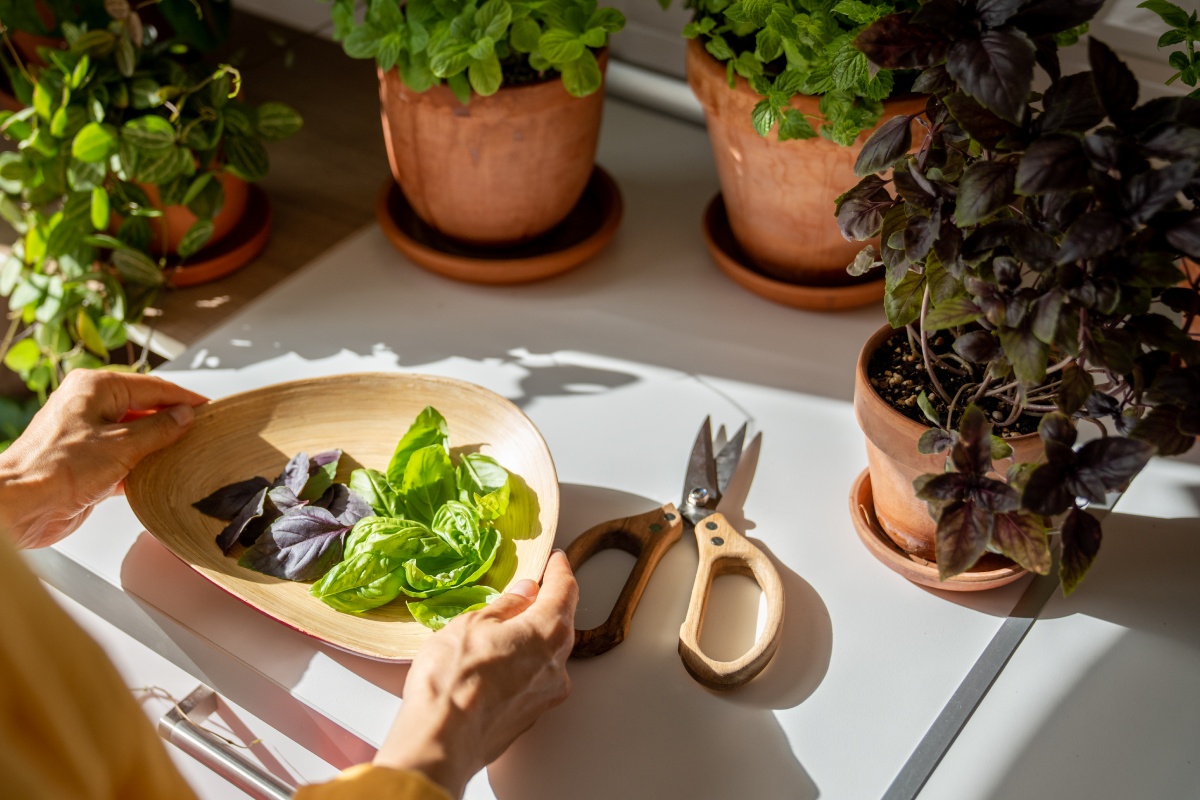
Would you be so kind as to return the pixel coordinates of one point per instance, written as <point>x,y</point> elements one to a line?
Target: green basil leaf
<point>428,482</point>
<point>372,485</point>
<point>429,428</point>
<point>436,612</point>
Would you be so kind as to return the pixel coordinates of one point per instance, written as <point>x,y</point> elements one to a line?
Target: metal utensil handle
<point>646,537</point>
<point>724,551</point>
<point>179,728</point>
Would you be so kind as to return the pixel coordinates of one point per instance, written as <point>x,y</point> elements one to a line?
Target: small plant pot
<point>780,195</point>
<point>1192,270</point>
<point>169,229</point>
<point>893,460</point>
<point>498,171</point>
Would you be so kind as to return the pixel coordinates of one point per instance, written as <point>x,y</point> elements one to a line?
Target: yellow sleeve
<point>69,726</point>
<point>367,781</point>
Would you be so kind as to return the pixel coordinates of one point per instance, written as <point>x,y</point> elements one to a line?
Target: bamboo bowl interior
<point>256,432</point>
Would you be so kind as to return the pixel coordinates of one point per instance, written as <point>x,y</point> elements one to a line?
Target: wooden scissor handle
<point>724,551</point>
<point>647,537</point>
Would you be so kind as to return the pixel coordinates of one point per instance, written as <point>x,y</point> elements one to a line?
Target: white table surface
<point>617,363</point>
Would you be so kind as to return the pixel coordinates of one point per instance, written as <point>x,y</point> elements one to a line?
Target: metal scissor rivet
<point>712,526</point>
<point>670,517</point>
<point>717,540</point>
<point>698,496</point>
<point>655,527</point>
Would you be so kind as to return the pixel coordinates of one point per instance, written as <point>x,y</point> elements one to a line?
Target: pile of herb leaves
<point>424,529</point>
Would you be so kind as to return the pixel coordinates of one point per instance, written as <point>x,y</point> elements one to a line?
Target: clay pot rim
<point>804,102</point>
<point>435,93</point>
<point>909,426</point>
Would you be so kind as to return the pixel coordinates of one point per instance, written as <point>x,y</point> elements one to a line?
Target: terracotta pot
<point>179,220</point>
<point>780,195</point>
<point>500,170</point>
<point>894,462</point>
<point>1192,270</point>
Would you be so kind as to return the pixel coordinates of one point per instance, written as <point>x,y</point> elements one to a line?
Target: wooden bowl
<point>256,432</point>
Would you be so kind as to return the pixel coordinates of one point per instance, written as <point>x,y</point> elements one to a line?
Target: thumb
<point>519,597</point>
<point>151,432</point>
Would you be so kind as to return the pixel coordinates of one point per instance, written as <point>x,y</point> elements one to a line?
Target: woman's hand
<point>81,445</point>
<point>484,679</point>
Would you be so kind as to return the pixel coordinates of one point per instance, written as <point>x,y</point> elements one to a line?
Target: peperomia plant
<point>1185,30</point>
<point>786,48</point>
<point>1031,247</point>
<point>111,118</point>
<point>478,48</point>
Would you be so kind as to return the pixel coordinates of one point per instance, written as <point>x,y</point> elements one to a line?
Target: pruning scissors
<point>723,550</point>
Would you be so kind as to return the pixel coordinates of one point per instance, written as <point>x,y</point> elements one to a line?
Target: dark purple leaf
<point>321,469</point>
<point>1055,16</point>
<point>1071,104</point>
<point>284,500</point>
<point>995,496</point>
<point>1103,149</point>
<point>1080,544</point>
<point>1162,110</point>
<point>996,69</point>
<point>1052,163</point>
<point>919,236</point>
<point>1057,427</point>
<point>302,545</point>
<point>933,441</point>
<point>1113,461</point>
<point>986,187</point>
<point>894,221</point>
<point>978,347</point>
<point>934,80</point>
<point>972,455</point>
<point>947,486</point>
<point>345,504</point>
<point>250,512</point>
<point>228,501</point>
<point>887,144</point>
<point>295,474</point>
<point>1174,142</point>
<point>995,13</point>
<point>982,125</point>
<point>1185,301</point>
<point>1047,56</point>
<point>1077,387</point>
<point>1147,193</point>
<point>1160,430</point>
<point>1116,85</point>
<point>1093,234</point>
<point>1160,333</point>
<point>1022,537</point>
<point>860,211</point>
<point>1047,310</point>
<point>1100,404</point>
<point>912,190</point>
<point>1186,237</point>
<point>963,532</point>
<point>1026,353</point>
<point>1046,493</point>
<point>896,42</point>
<point>1189,421</point>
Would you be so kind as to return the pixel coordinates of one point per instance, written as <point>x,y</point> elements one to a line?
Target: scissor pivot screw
<point>712,526</point>
<point>717,540</point>
<point>698,496</point>
<point>670,517</point>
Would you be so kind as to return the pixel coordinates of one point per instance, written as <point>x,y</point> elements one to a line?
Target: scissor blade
<point>700,489</point>
<point>727,458</point>
<point>734,496</point>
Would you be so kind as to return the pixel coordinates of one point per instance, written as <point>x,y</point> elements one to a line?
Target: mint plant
<point>477,47</point>
<point>1041,236</point>
<point>1185,30</point>
<point>113,114</point>
<point>785,48</point>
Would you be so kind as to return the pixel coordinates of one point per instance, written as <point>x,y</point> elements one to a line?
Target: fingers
<point>152,432</point>
<point>147,392</point>
<point>560,592</point>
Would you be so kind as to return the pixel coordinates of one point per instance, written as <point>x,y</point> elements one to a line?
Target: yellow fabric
<point>381,783</point>
<point>71,730</point>
<point>69,727</point>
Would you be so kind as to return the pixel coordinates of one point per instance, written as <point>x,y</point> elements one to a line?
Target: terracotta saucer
<point>584,233</point>
<point>236,250</point>
<point>991,572</point>
<point>734,262</point>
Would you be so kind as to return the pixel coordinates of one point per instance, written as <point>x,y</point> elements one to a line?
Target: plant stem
<point>925,354</point>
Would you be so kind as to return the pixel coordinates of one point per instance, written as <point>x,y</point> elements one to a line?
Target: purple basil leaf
<point>323,458</point>
<point>302,545</point>
<point>996,69</point>
<point>1080,544</point>
<point>896,42</point>
<point>295,474</point>
<point>251,511</point>
<point>345,504</point>
<point>1054,16</point>
<point>963,532</point>
<point>947,486</point>
<point>1117,86</point>
<point>321,469</point>
<point>284,499</point>
<point>1046,492</point>
<point>228,501</point>
<point>1113,461</point>
<point>995,496</point>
